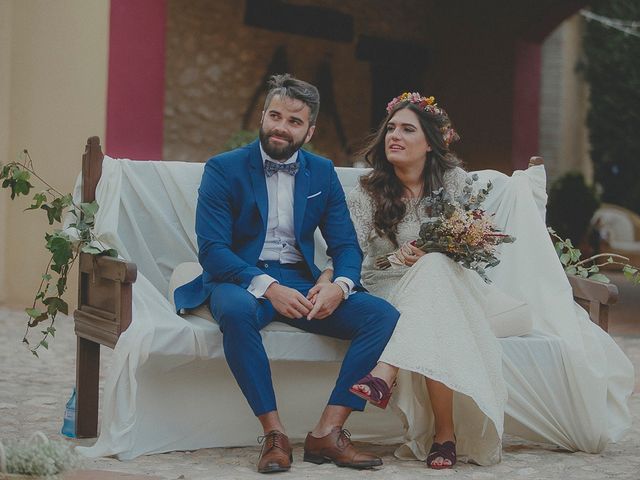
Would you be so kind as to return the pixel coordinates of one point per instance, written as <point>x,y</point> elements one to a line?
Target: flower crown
<point>428,104</point>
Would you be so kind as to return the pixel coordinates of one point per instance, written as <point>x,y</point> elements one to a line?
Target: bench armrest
<point>104,300</point>
<point>595,297</point>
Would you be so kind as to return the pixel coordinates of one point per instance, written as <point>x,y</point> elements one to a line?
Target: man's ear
<point>312,129</point>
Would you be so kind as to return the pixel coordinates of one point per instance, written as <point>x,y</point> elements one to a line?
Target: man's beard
<point>279,152</point>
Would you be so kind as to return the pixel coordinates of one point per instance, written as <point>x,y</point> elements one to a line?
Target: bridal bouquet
<point>459,228</point>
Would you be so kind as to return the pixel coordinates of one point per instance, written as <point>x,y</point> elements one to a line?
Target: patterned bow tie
<point>271,167</point>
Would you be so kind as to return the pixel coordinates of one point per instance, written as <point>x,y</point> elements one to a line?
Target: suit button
<point>266,265</point>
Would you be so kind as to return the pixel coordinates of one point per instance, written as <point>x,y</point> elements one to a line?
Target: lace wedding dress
<point>443,333</point>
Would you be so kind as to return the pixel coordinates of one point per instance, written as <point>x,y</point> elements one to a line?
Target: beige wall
<point>564,103</point>
<point>57,91</point>
<point>5,61</point>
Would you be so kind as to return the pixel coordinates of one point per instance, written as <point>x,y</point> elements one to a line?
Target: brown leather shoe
<point>336,447</point>
<point>276,455</point>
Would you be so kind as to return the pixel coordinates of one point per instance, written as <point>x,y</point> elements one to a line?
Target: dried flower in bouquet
<point>459,228</point>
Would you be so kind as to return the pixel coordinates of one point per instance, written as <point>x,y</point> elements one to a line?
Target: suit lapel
<point>259,183</point>
<point>301,190</point>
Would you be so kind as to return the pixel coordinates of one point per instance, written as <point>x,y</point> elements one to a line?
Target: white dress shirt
<point>280,241</point>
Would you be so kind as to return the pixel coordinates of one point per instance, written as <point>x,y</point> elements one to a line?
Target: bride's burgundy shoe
<point>379,392</point>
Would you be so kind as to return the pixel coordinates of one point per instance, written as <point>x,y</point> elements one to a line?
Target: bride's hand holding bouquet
<point>458,228</point>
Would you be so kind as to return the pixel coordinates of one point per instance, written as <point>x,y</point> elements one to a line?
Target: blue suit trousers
<point>366,320</point>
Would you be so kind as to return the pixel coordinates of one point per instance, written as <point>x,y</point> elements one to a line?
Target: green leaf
<point>91,250</point>
<point>33,312</point>
<point>22,185</point>
<point>38,200</point>
<point>46,277</point>
<point>629,269</point>
<point>570,270</point>
<point>564,258</point>
<point>61,249</point>
<point>575,254</point>
<point>61,285</point>
<point>559,247</point>
<point>21,175</point>
<point>52,213</point>
<point>55,305</point>
<point>35,353</point>
<point>44,343</point>
<point>89,209</point>
<point>52,331</point>
<point>66,200</point>
<point>599,277</point>
<point>55,208</point>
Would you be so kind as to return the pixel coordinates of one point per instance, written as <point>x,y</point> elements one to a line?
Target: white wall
<point>57,89</point>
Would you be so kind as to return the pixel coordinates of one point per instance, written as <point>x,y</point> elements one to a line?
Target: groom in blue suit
<point>258,208</point>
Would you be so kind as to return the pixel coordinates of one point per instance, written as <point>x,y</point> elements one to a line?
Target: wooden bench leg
<point>87,379</point>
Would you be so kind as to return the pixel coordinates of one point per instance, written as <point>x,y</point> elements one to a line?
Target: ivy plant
<point>590,267</point>
<point>612,69</point>
<point>48,301</point>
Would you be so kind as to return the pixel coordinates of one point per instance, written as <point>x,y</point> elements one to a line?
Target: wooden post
<point>87,379</point>
<point>88,352</point>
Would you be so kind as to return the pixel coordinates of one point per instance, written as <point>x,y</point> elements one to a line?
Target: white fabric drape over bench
<point>169,387</point>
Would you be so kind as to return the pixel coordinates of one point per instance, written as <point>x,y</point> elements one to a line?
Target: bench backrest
<point>147,212</point>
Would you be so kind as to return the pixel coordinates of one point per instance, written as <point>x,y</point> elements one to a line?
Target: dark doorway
<point>389,81</point>
<point>396,67</point>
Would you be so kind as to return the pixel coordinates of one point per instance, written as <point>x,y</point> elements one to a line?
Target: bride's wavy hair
<point>383,185</point>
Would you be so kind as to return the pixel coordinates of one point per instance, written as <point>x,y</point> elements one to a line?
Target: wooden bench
<point>105,304</point>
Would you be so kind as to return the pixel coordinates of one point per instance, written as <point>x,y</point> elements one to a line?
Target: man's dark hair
<point>287,86</point>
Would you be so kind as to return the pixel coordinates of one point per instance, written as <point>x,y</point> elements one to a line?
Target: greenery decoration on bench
<point>16,176</point>
<point>591,267</point>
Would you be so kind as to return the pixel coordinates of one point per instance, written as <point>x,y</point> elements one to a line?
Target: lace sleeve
<point>361,211</point>
<point>455,180</point>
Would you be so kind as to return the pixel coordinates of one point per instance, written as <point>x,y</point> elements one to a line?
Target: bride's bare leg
<point>381,370</point>
<point>442,404</point>
<point>386,372</point>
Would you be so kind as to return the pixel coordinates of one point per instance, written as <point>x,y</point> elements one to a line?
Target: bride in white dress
<point>446,361</point>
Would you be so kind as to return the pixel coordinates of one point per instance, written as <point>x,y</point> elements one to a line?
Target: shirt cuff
<point>346,281</point>
<point>259,285</point>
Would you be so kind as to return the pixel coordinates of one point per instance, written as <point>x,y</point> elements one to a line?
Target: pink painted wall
<point>526,102</point>
<point>135,96</point>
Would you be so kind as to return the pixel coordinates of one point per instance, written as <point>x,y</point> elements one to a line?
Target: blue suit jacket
<point>232,213</point>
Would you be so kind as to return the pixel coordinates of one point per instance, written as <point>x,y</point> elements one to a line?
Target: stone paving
<point>33,393</point>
